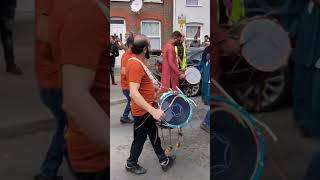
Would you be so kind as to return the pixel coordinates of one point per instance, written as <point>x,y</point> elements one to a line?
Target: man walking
<point>170,68</point>
<point>114,52</point>
<point>143,95</point>
<point>79,42</point>
<point>124,83</point>
<point>7,15</point>
<point>49,84</point>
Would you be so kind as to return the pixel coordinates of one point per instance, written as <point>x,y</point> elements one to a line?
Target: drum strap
<point>148,72</point>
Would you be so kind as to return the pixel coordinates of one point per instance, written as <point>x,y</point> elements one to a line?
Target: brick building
<point>154,20</point>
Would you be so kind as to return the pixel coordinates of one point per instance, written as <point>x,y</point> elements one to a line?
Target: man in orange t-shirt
<point>78,35</point>
<point>49,83</point>
<point>145,115</point>
<point>124,83</point>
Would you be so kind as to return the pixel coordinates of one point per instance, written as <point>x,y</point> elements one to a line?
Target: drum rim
<point>254,130</point>
<point>165,96</point>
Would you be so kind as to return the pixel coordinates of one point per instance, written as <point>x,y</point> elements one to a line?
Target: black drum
<point>236,143</point>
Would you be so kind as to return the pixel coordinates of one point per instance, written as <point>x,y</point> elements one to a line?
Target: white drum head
<point>265,45</point>
<point>193,75</point>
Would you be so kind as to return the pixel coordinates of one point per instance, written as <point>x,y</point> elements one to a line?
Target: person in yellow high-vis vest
<point>181,54</point>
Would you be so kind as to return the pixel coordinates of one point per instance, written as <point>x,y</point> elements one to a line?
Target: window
<point>192,30</point>
<point>152,29</point>
<point>192,2</point>
<point>117,21</point>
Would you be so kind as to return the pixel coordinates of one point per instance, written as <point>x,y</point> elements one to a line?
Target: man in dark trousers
<point>7,14</point>
<point>114,52</point>
<point>142,92</point>
<point>50,87</point>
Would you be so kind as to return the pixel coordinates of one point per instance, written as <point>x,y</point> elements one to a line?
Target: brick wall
<point>151,11</point>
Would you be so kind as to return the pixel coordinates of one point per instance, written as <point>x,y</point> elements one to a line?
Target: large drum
<point>178,109</point>
<point>236,143</point>
<point>264,44</point>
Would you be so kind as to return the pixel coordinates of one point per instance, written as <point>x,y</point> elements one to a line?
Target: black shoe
<point>41,177</point>
<point>114,83</point>
<point>14,69</point>
<point>136,169</point>
<point>205,127</point>
<point>126,120</point>
<point>168,163</point>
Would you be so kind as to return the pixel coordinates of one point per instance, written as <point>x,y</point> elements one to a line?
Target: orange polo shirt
<point>46,67</point>
<point>135,73</point>
<point>79,36</point>
<point>124,61</point>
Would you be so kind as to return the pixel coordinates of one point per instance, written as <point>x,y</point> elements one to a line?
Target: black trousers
<point>103,175</point>
<point>7,14</point>
<point>145,126</point>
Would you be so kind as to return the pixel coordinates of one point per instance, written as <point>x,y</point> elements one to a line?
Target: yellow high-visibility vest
<point>237,11</point>
<point>184,59</point>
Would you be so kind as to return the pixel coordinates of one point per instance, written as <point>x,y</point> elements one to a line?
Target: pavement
<point>26,128</point>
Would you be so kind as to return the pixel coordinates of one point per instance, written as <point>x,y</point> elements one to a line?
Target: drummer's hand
<point>158,114</point>
<point>182,76</point>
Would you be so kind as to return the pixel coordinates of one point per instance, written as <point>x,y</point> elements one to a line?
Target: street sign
<point>182,20</point>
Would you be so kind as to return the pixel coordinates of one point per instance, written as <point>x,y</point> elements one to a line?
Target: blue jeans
<point>127,109</point>
<point>206,120</point>
<point>52,98</point>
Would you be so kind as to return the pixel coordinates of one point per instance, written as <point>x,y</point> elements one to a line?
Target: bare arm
<point>79,103</point>
<point>140,101</point>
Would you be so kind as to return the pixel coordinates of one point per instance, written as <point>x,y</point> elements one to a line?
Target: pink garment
<point>170,71</point>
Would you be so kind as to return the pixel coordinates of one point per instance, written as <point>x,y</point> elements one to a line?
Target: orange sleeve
<point>83,37</point>
<point>135,72</point>
<point>124,59</point>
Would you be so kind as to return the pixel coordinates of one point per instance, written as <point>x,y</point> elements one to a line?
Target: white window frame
<point>198,5</point>
<point>152,21</point>
<point>194,24</point>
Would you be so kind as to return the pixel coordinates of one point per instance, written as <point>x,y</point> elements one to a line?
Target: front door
<point>118,28</point>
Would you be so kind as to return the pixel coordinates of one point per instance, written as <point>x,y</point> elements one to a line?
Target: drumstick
<point>185,95</point>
